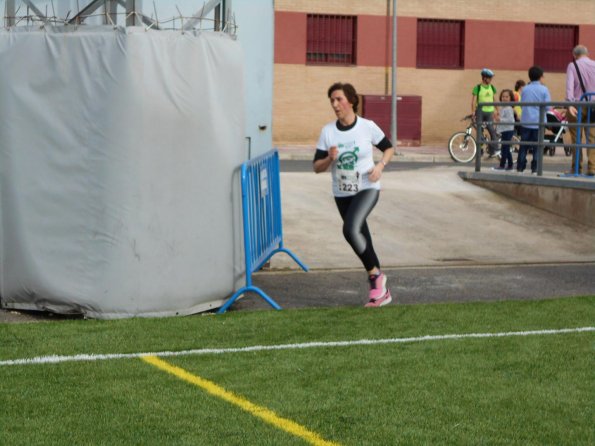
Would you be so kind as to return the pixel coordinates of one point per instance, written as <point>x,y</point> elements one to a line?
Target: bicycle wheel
<point>462,147</point>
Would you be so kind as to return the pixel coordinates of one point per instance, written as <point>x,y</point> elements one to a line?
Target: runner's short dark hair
<point>349,91</point>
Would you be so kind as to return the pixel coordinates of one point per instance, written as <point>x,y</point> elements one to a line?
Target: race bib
<point>349,181</point>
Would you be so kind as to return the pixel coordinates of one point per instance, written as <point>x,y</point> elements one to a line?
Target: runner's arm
<point>388,151</point>
<point>323,159</point>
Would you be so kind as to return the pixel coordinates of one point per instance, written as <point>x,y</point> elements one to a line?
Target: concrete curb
<point>567,197</point>
<point>550,181</point>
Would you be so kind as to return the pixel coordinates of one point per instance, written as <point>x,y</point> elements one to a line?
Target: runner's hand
<point>333,153</point>
<point>375,173</point>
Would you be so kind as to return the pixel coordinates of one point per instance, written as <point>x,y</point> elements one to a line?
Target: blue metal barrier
<point>261,210</point>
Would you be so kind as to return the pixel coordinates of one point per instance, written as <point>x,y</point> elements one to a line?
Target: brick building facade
<point>505,35</point>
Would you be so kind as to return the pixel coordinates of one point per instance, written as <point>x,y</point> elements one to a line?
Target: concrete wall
<point>255,19</point>
<point>568,198</point>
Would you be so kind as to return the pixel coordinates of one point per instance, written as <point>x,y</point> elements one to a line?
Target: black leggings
<point>354,210</point>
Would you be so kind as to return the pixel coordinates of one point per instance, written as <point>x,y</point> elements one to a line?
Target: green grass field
<point>510,390</point>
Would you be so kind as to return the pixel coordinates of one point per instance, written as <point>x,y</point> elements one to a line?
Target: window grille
<point>553,46</point>
<point>331,39</point>
<point>440,43</point>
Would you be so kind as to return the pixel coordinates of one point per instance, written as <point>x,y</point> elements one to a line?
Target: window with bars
<point>331,39</point>
<point>440,43</point>
<point>553,46</point>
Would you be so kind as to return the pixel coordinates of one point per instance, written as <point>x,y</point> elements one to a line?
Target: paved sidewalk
<point>427,217</point>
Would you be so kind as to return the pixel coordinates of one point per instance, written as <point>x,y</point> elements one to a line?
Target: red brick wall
<point>586,36</point>
<point>290,37</point>
<point>488,43</point>
<point>499,45</point>
<point>406,41</point>
<point>374,48</point>
<point>373,35</point>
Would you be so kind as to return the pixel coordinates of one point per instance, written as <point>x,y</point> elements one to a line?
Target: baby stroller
<point>555,133</point>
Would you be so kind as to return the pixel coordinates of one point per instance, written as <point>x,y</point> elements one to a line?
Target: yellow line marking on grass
<point>258,411</point>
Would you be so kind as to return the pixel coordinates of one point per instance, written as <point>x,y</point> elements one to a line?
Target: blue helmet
<point>486,72</point>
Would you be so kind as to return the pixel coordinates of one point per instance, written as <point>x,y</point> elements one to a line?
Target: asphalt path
<point>408,285</point>
<point>418,285</point>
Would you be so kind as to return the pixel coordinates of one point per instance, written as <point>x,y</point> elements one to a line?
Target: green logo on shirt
<point>347,160</point>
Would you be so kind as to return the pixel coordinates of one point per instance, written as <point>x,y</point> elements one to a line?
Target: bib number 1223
<point>349,180</point>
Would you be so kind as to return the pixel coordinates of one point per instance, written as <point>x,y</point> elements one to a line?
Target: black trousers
<point>354,210</point>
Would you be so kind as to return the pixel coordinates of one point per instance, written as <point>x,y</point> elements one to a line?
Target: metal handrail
<point>542,124</point>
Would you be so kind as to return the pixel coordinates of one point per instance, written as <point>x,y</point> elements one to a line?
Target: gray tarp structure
<point>119,157</point>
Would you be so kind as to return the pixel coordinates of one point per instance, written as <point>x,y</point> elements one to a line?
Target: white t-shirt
<point>356,145</point>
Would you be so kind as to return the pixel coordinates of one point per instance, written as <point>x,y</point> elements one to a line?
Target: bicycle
<point>462,146</point>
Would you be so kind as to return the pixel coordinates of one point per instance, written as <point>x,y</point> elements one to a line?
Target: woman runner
<point>347,146</point>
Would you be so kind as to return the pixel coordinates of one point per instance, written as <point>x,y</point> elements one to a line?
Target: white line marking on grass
<point>54,359</point>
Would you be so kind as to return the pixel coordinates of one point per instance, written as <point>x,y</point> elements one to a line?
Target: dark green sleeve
<point>475,90</point>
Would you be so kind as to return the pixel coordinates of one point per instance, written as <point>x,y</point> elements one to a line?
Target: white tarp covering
<point>119,157</point>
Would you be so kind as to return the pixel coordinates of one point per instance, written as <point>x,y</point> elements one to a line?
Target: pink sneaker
<point>384,300</point>
<point>377,286</point>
